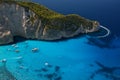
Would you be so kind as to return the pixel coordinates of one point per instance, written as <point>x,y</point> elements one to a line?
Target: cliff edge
<point>34,21</point>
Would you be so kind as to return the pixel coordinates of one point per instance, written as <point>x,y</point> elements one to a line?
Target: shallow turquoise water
<point>75,59</point>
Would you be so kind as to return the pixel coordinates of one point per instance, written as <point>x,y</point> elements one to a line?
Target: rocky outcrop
<point>5,36</point>
<point>16,20</point>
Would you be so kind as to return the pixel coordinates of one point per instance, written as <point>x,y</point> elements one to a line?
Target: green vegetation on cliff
<point>54,20</point>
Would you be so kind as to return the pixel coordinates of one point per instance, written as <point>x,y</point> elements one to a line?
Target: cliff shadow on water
<point>18,39</point>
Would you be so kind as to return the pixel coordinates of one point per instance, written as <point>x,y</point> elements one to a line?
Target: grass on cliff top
<point>44,12</point>
<point>40,10</point>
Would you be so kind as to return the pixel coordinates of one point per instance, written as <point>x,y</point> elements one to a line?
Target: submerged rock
<point>50,73</point>
<point>106,71</point>
<point>34,21</point>
<point>5,74</point>
<point>44,70</point>
<point>57,68</point>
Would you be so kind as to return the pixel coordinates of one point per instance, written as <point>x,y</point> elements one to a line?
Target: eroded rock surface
<point>16,20</point>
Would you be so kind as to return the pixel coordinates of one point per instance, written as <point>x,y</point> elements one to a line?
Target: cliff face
<point>16,20</point>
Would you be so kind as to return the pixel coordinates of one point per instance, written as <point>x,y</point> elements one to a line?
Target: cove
<point>81,58</point>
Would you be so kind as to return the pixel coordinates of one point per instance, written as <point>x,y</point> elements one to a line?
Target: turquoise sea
<point>80,58</point>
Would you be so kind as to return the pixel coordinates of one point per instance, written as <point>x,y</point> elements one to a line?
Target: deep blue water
<point>81,58</point>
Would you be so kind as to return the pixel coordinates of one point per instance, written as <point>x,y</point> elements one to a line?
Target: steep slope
<point>34,21</point>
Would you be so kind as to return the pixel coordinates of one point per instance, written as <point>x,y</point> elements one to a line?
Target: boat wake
<point>107,34</point>
<point>14,58</point>
<point>96,40</point>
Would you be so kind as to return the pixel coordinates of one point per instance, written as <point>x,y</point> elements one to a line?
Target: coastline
<point>31,23</point>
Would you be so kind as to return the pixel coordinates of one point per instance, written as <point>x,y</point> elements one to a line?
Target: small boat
<point>35,49</point>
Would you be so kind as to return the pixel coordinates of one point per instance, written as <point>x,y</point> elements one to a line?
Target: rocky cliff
<point>33,21</point>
